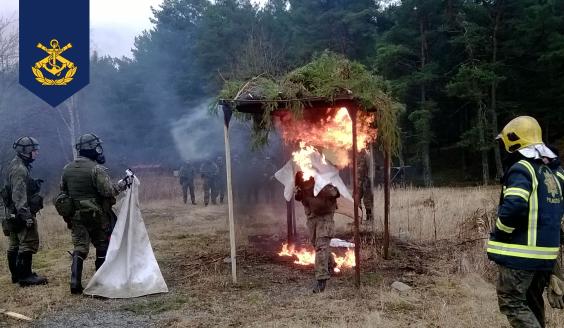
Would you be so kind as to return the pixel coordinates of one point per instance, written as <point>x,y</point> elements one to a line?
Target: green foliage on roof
<point>329,76</point>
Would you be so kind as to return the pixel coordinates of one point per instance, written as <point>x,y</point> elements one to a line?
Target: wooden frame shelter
<point>314,103</point>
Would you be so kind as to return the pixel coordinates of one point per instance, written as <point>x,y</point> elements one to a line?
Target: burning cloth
<point>130,269</point>
<point>322,171</point>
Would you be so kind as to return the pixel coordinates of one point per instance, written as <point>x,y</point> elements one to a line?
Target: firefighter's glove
<point>556,292</point>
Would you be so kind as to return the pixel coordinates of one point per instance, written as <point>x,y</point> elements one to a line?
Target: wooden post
<point>352,113</point>
<point>290,222</point>
<point>227,112</point>
<point>386,202</point>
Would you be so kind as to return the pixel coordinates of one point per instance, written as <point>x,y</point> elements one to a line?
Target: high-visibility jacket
<point>527,231</point>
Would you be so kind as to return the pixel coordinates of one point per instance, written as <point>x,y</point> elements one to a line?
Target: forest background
<point>462,69</point>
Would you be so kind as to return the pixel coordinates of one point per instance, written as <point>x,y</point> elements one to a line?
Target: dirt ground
<point>191,244</point>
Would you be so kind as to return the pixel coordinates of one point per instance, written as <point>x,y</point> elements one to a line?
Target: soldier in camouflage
<point>365,185</point>
<point>220,181</point>
<point>186,177</point>
<point>319,211</point>
<point>21,200</point>
<point>209,171</point>
<point>88,184</point>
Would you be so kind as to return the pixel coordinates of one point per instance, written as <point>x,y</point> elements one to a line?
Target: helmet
<point>521,132</point>
<point>88,141</point>
<point>25,145</point>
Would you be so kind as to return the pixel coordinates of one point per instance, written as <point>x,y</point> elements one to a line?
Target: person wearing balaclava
<point>525,242</point>
<point>21,200</point>
<point>86,181</point>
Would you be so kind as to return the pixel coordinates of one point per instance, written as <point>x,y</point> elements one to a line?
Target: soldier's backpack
<point>64,205</point>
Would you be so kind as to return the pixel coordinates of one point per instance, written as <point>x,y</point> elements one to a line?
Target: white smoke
<point>199,135</point>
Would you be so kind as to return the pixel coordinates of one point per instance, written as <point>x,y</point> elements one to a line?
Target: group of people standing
<point>212,173</point>
<point>85,203</point>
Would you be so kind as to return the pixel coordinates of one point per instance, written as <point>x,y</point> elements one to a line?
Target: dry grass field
<point>437,249</point>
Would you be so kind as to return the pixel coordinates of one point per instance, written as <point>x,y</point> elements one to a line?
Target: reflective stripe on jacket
<point>527,231</point>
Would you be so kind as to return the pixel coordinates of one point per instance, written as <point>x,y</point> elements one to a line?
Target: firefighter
<point>209,171</point>
<point>86,182</point>
<point>319,211</point>
<point>21,200</point>
<point>526,238</point>
<point>365,185</point>
<point>186,177</point>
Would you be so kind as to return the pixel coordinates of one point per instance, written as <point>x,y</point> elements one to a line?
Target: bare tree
<point>8,78</point>
<point>68,112</point>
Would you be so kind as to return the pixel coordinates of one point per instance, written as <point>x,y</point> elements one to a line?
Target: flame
<point>331,131</point>
<point>307,257</point>
<point>302,158</point>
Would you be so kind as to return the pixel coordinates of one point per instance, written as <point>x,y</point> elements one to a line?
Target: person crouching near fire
<point>319,211</point>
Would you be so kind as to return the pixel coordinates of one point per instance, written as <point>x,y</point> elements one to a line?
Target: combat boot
<point>26,276</point>
<point>100,258</point>
<point>320,286</point>
<point>76,273</point>
<point>12,264</point>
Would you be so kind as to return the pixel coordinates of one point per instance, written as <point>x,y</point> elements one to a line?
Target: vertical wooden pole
<point>227,112</point>
<point>289,223</point>
<point>386,202</point>
<point>352,113</point>
<point>289,207</point>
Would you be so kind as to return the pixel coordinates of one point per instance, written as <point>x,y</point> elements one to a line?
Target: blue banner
<point>54,48</point>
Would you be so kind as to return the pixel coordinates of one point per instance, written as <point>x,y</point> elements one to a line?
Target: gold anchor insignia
<point>54,64</point>
<point>551,184</point>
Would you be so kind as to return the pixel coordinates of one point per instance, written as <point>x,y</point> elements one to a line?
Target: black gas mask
<point>96,154</point>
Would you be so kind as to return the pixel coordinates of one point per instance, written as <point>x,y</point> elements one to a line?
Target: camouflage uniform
<point>319,211</point>
<point>21,202</point>
<point>89,185</point>
<point>364,185</point>
<point>209,171</point>
<point>220,181</point>
<point>520,297</point>
<point>19,182</point>
<point>268,183</point>
<point>186,176</point>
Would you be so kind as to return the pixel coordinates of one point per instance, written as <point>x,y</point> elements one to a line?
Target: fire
<point>307,257</point>
<point>330,131</point>
<point>303,158</point>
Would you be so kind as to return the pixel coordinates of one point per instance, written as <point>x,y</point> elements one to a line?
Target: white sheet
<point>325,174</point>
<point>130,269</point>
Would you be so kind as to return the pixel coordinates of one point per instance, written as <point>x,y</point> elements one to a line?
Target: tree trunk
<point>71,121</point>
<point>425,157</point>
<point>493,93</point>
<point>482,124</point>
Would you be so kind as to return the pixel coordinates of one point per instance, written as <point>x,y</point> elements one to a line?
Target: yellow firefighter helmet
<point>521,132</point>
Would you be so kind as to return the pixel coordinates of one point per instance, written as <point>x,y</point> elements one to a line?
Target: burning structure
<point>325,112</point>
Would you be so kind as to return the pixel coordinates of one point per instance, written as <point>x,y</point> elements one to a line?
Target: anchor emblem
<point>55,64</point>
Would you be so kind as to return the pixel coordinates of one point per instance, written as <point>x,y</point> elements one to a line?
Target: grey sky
<point>113,23</point>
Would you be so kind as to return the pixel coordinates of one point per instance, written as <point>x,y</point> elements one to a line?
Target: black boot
<point>100,258</point>
<point>319,286</point>
<point>27,277</point>
<point>12,264</point>
<point>76,273</point>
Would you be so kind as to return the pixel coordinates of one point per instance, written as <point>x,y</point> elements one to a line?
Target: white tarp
<point>325,174</point>
<point>130,269</point>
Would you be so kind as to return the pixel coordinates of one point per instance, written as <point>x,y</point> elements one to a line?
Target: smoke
<point>198,135</point>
